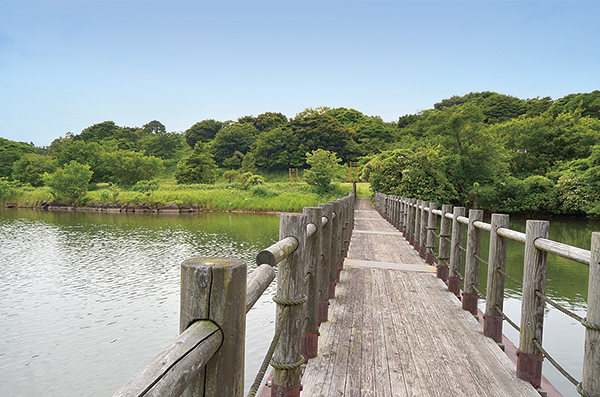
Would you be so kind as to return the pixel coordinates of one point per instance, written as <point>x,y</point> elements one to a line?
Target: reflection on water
<point>86,300</point>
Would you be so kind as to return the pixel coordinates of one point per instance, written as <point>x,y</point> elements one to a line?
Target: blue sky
<point>66,65</point>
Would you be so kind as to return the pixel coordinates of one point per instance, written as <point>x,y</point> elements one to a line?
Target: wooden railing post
<point>591,356</point>
<point>455,252</point>
<point>291,298</point>
<point>401,215</point>
<point>431,227</point>
<point>215,289</point>
<point>494,300</point>
<point>411,223</point>
<point>335,247</point>
<point>408,232</point>
<point>529,358</point>
<point>444,248</point>
<point>313,257</point>
<point>423,229</point>
<point>469,297</point>
<point>325,264</point>
<point>417,228</point>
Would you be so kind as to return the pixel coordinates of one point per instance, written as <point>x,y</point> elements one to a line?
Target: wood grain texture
<point>401,333</point>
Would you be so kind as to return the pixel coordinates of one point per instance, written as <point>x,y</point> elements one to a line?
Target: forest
<point>481,150</point>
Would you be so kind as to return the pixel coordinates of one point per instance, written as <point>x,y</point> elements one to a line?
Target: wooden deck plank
<point>394,331</point>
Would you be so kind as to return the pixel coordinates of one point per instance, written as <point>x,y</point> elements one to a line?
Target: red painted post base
<point>454,285</point>
<point>442,272</point>
<point>310,345</point>
<point>337,275</point>
<point>469,302</point>
<point>323,312</point>
<point>429,258</point>
<point>529,368</point>
<point>416,245</point>
<point>287,391</point>
<point>422,251</point>
<point>331,291</point>
<point>492,327</point>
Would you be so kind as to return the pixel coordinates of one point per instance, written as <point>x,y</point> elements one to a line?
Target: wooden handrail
<point>170,373</point>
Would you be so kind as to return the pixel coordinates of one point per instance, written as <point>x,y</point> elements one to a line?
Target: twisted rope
<point>589,325</point>
<point>269,356</point>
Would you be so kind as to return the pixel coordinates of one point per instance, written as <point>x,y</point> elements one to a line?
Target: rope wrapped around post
<point>291,297</point>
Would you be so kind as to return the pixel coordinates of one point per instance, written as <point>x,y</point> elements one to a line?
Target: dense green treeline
<point>484,150</point>
<point>499,153</point>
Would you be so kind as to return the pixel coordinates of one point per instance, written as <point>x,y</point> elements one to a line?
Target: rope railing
<point>417,219</point>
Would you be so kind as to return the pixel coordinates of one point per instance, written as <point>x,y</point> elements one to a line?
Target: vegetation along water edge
<point>482,150</point>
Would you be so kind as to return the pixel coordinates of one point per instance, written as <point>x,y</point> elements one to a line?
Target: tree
<point>324,167</point>
<point>167,145</point>
<point>314,130</point>
<point>234,138</point>
<point>69,185</point>
<point>31,169</point>
<point>154,127</point>
<point>126,167</point>
<point>98,132</point>
<point>202,131</point>
<point>198,168</point>
<point>11,152</point>
<point>276,150</point>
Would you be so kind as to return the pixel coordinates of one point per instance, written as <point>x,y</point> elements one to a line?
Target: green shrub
<point>69,185</point>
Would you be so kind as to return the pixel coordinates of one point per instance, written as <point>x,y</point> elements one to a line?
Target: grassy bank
<point>277,196</point>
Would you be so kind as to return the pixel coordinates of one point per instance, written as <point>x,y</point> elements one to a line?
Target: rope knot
<point>589,325</point>
<point>290,302</point>
<point>288,367</point>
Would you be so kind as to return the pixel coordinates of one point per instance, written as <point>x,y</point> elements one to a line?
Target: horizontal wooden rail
<point>512,235</point>
<point>563,250</point>
<point>170,373</point>
<point>277,252</point>
<point>258,281</point>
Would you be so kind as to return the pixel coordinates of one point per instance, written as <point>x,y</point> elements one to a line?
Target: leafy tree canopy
<point>198,168</point>
<point>202,131</point>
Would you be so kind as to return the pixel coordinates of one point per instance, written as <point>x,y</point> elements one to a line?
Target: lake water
<point>87,299</point>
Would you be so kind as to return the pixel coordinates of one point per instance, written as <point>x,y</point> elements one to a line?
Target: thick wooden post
<point>469,297</point>
<point>215,289</point>
<point>444,248</point>
<point>591,356</point>
<point>410,221</point>
<point>431,227</point>
<point>417,229</point>
<point>455,252</point>
<point>401,219</point>
<point>313,257</point>
<point>494,300</point>
<point>325,264</point>
<point>291,296</point>
<point>335,247</point>
<point>423,229</point>
<point>529,358</point>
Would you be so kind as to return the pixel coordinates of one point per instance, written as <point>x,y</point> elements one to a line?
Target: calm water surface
<point>86,299</point>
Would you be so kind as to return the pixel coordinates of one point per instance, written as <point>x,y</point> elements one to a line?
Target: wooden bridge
<point>396,330</point>
<point>368,313</point>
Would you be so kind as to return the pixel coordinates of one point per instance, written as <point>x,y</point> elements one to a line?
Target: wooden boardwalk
<point>395,330</point>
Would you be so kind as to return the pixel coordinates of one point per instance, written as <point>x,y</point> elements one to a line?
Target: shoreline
<point>133,208</point>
